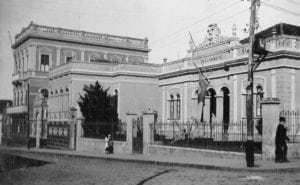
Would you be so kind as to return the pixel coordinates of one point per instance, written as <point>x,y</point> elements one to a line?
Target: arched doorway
<point>212,111</point>
<point>226,109</point>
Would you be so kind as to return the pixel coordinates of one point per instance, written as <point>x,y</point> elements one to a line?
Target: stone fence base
<point>159,150</point>
<point>293,151</point>
<point>98,145</point>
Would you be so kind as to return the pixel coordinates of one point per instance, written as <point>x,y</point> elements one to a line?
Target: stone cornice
<point>82,37</point>
<point>230,63</point>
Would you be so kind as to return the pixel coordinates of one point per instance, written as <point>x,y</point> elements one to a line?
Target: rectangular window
<point>172,109</point>
<point>44,62</point>
<point>69,59</point>
<point>178,109</point>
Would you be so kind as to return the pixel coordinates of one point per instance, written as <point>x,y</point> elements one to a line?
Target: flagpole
<point>200,93</point>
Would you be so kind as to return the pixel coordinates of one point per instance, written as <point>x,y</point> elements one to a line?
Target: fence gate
<point>137,135</point>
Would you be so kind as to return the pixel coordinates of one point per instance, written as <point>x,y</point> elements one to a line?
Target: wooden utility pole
<point>249,101</point>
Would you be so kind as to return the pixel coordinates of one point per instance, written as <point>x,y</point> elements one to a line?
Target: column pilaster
<point>219,106</point>
<point>148,135</point>
<point>206,114</point>
<point>273,83</point>
<point>129,119</point>
<point>293,88</point>
<point>270,119</point>
<point>58,56</point>
<point>82,55</point>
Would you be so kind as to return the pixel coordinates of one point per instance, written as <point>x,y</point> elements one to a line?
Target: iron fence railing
<point>100,130</point>
<point>216,136</point>
<point>293,124</point>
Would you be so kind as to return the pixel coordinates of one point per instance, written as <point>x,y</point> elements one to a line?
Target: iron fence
<point>293,124</point>
<point>215,136</point>
<point>100,130</point>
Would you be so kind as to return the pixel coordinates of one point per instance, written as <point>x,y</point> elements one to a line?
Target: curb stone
<point>153,162</point>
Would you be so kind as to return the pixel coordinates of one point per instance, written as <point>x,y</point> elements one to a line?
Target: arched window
<point>44,92</point>
<point>226,108</point>
<point>171,101</point>
<point>259,96</point>
<point>116,59</point>
<point>93,57</point>
<point>213,105</point>
<point>178,106</point>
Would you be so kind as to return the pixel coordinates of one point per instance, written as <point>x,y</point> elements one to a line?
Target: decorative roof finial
<point>234,30</point>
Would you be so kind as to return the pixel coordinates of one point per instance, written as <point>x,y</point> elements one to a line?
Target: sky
<point>166,23</point>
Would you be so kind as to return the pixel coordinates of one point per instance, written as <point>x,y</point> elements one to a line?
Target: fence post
<point>129,119</point>
<point>1,120</point>
<point>270,120</point>
<point>79,132</point>
<point>72,123</point>
<point>148,119</point>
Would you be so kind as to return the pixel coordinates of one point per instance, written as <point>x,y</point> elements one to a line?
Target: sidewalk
<point>201,162</point>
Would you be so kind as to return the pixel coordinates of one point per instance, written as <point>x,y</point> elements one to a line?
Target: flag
<point>203,84</point>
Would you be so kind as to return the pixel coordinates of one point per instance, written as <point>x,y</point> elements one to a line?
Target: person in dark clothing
<point>109,148</point>
<point>280,142</point>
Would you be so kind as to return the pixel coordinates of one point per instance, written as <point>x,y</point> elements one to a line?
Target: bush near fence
<point>215,136</point>
<point>100,130</point>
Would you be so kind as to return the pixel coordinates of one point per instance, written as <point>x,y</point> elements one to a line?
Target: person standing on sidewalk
<point>108,145</point>
<point>280,142</point>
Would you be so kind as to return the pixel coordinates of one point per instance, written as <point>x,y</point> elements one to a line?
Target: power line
<point>292,1</point>
<point>281,9</point>
<point>180,38</point>
<point>200,20</point>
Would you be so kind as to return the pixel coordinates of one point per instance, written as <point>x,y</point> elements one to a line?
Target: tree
<point>98,109</point>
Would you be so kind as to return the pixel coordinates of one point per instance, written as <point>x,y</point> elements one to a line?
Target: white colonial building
<point>63,61</point>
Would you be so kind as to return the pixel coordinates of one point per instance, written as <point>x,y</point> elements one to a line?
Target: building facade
<point>224,62</point>
<point>62,61</point>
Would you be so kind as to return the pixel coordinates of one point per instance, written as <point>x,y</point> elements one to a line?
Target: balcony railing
<point>59,116</point>
<point>17,110</point>
<point>82,35</point>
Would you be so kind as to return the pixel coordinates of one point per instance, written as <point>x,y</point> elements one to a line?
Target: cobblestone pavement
<point>83,171</point>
